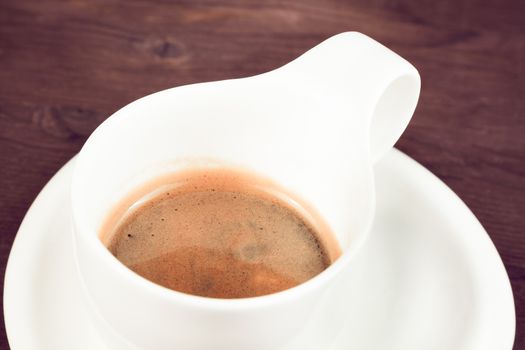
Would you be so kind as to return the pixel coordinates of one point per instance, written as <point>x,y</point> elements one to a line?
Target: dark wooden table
<point>66,66</point>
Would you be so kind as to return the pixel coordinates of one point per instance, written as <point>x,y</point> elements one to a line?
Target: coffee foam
<point>220,233</point>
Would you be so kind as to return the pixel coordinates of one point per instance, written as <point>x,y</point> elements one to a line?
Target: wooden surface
<point>66,66</point>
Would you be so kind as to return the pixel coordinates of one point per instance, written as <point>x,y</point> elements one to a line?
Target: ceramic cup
<point>315,126</point>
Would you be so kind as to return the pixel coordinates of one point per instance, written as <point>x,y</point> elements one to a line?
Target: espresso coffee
<point>219,233</point>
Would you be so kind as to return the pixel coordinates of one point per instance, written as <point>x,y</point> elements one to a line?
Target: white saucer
<point>428,277</point>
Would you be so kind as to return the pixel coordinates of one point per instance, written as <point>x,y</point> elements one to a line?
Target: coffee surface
<point>218,234</point>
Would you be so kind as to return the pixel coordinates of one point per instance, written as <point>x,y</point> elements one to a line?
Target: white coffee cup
<point>314,126</point>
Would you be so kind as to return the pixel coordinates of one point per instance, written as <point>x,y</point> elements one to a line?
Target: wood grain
<point>66,66</point>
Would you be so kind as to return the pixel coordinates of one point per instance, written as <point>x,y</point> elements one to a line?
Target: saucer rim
<point>16,253</point>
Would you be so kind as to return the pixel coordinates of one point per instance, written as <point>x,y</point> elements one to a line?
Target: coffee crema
<point>219,233</point>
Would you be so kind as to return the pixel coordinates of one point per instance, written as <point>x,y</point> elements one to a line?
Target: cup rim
<point>96,245</point>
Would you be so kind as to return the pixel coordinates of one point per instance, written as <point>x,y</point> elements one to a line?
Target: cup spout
<point>361,74</point>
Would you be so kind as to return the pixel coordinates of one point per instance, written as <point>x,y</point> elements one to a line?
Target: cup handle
<point>380,85</point>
